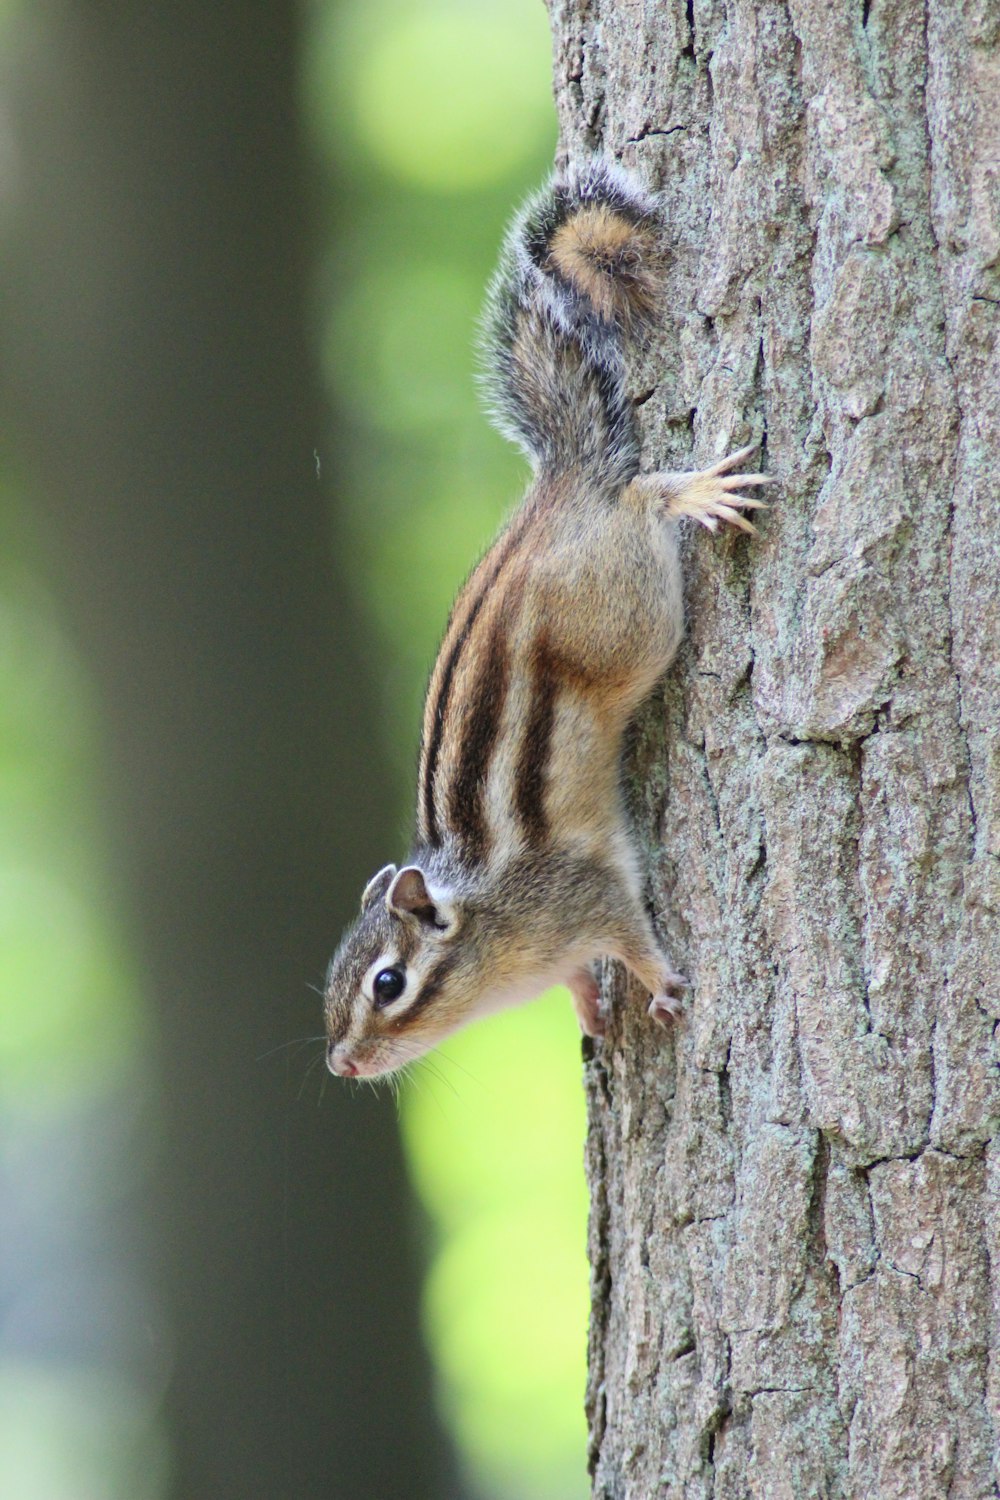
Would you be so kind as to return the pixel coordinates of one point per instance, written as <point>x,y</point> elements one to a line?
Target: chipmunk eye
<point>389,985</point>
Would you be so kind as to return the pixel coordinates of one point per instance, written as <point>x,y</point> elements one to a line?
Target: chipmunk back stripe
<point>435,715</point>
<point>536,746</point>
<point>430,828</point>
<point>466,794</point>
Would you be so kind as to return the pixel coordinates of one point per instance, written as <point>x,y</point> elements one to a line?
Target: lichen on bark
<point>795,1226</point>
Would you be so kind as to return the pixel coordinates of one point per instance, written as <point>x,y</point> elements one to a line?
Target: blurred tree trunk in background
<point>166,412</point>
<point>795,1234</point>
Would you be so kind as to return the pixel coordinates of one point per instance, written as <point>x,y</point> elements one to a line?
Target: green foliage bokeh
<point>433,118</point>
<point>430,120</point>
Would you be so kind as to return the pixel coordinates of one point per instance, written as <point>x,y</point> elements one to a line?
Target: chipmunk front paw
<point>666,1008</point>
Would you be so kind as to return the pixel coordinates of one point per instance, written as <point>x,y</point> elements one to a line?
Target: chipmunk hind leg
<point>610,606</point>
<point>586,995</point>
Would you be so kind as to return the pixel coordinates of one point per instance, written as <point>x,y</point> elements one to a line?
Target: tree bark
<point>795,1232</point>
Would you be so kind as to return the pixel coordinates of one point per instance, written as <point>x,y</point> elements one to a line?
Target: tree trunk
<point>795,1232</point>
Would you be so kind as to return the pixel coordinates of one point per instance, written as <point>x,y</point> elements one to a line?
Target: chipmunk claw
<point>665,1008</point>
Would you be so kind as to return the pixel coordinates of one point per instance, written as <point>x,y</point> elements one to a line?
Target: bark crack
<point>647,133</point>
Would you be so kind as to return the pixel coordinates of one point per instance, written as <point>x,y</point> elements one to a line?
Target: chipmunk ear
<point>410,896</point>
<point>377,886</point>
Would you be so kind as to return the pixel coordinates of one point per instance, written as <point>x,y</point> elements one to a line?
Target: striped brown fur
<point>536,745</point>
<point>466,812</point>
<point>461,629</point>
<point>437,701</point>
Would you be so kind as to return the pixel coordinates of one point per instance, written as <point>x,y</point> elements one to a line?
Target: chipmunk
<point>522,872</point>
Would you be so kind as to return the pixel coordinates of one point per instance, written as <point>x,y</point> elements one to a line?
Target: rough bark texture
<point>795,1233</point>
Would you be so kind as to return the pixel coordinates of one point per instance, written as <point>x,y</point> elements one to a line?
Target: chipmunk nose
<point>338,1062</point>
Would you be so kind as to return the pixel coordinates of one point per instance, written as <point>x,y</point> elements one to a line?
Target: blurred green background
<point>244,470</point>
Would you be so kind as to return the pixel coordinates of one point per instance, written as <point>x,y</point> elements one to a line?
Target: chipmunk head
<point>400,980</point>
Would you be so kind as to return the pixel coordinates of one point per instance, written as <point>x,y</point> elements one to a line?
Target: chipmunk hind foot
<point>586,995</point>
<point>708,496</point>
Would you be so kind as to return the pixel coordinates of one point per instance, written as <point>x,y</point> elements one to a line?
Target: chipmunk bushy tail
<point>580,277</point>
